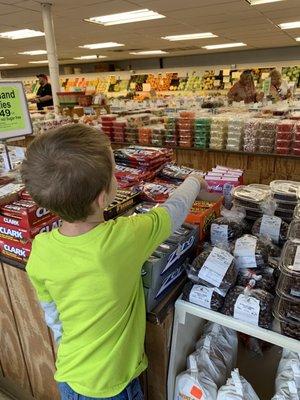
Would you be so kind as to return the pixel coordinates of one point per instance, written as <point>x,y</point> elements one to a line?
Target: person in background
<point>279,89</point>
<point>102,101</point>
<point>44,94</point>
<point>87,273</point>
<point>244,90</point>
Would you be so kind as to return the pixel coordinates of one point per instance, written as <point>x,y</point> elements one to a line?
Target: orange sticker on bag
<point>197,393</point>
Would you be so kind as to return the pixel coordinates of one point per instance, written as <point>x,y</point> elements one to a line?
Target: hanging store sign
<point>14,114</point>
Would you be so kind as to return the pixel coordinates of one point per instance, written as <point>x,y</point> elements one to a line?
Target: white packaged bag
<point>192,385</point>
<point>237,388</point>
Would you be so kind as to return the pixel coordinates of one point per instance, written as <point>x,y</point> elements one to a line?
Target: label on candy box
<point>219,234</point>
<point>215,267</point>
<point>27,212</point>
<point>270,227</point>
<point>244,252</point>
<point>247,309</point>
<point>16,233</point>
<point>17,251</point>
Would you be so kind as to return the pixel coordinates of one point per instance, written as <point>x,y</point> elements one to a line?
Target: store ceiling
<point>231,20</point>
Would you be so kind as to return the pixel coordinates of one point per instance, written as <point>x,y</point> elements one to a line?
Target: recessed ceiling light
<point>105,45</point>
<point>33,52</point>
<point>39,62</point>
<point>90,57</point>
<point>21,34</point>
<point>297,40</point>
<point>258,2</point>
<point>290,25</point>
<point>126,17</point>
<point>7,65</point>
<point>148,52</point>
<point>223,46</point>
<point>189,36</point>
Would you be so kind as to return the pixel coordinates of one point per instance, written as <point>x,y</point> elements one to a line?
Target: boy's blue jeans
<point>132,392</point>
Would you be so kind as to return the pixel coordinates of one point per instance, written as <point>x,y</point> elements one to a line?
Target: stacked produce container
<point>218,133</point>
<point>267,136</point>
<point>251,133</point>
<point>285,133</point>
<point>235,134</point>
<point>202,132</point>
<point>186,122</point>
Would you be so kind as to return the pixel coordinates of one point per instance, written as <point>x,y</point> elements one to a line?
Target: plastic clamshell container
<point>265,149</point>
<point>290,258</point>
<point>296,152</point>
<point>187,114</point>
<point>296,214</point>
<point>286,125</point>
<point>288,287</point>
<point>294,231</point>
<point>254,195</point>
<point>283,143</point>
<point>297,135</point>
<point>286,191</point>
<point>296,144</point>
<point>283,150</point>
<point>284,135</point>
<point>287,313</point>
<point>265,141</point>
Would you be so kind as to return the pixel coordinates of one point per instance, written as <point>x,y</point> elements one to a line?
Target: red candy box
<point>17,251</point>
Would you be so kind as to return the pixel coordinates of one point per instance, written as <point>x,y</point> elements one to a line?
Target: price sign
<point>14,115</point>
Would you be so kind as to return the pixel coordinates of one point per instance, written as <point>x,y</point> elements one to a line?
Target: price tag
<point>219,234</point>
<point>244,252</point>
<point>247,309</point>
<point>270,227</point>
<point>201,296</point>
<point>215,267</point>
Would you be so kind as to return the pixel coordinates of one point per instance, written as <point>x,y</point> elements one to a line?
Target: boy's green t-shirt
<point>95,281</point>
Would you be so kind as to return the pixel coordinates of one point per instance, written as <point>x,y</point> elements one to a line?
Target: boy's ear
<point>101,200</point>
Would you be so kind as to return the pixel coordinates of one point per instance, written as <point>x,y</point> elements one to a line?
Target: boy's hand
<point>202,182</point>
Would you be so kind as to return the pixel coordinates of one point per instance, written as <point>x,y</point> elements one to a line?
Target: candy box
<point>17,251</point>
<point>203,212</point>
<point>15,233</point>
<point>26,213</point>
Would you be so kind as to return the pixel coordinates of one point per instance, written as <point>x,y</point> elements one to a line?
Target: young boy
<point>87,273</point>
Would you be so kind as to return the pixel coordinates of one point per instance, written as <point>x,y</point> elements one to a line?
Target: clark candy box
<point>204,211</point>
<point>25,213</point>
<point>15,233</point>
<point>166,265</point>
<point>17,251</point>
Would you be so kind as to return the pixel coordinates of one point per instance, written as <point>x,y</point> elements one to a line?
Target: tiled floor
<point>5,397</point>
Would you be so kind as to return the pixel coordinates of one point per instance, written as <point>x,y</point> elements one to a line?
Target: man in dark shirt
<point>44,93</point>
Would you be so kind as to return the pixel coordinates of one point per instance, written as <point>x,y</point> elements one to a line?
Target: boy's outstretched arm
<point>179,204</point>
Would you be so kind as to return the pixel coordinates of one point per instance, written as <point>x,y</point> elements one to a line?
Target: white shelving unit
<point>188,322</point>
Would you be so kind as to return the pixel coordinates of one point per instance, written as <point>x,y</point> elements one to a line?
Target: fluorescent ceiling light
<point>33,52</point>
<point>7,65</point>
<point>105,45</point>
<point>21,34</point>
<point>258,2</point>
<point>91,57</point>
<point>1,58</point>
<point>191,36</point>
<point>223,46</point>
<point>297,40</point>
<point>39,62</point>
<point>290,25</point>
<point>126,17</point>
<point>148,52</point>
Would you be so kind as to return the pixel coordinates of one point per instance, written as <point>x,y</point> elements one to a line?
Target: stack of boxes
<point>235,134</point>
<point>186,123</point>
<point>284,138</point>
<point>119,127</point>
<point>202,132</point>
<point>218,133</point>
<point>20,222</point>
<point>107,124</point>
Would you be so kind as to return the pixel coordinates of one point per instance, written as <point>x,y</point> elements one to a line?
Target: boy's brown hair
<point>67,168</point>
